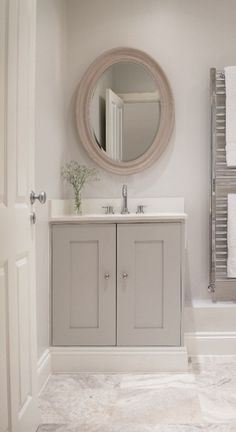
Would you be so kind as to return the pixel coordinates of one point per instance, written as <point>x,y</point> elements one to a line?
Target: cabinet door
<point>148,284</point>
<point>84,309</point>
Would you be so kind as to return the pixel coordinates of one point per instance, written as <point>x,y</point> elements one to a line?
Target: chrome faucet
<point>125,200</point>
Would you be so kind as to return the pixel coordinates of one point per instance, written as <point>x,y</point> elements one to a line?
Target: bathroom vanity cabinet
<point>117,283</point>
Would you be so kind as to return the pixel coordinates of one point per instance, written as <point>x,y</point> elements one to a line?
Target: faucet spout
<point>125,200</point>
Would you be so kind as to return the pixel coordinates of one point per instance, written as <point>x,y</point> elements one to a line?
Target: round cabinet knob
<point>125,276</point>
<point>106,276</point>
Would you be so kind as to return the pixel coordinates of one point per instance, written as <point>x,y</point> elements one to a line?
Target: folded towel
<point>231,235</point>
<point>230,86</point>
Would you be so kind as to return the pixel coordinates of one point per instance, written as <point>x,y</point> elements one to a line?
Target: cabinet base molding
<point>118,359</point>
<point>210,343</point>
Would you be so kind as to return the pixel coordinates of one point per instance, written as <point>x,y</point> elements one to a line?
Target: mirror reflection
<point>125,111</point>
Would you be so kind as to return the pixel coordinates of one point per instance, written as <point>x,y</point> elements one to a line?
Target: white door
<point>114,125</point>
<point>18,406</point>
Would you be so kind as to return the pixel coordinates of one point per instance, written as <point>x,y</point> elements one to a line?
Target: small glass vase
<point>78,203</point>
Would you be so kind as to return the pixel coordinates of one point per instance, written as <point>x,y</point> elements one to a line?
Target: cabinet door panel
<point>83,300</point>
<point>148,308</point>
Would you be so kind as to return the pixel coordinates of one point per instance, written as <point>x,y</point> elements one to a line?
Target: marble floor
<point>202,399</point>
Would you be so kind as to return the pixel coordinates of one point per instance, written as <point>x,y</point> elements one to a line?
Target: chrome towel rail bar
<point>223,181</point>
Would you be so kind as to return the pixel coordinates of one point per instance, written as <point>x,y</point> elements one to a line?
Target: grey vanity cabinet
<point>84,284</point>
<point>148,284</point>
<point>117,284</point>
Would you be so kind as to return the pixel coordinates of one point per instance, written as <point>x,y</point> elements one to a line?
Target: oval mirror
<point>125,111</point>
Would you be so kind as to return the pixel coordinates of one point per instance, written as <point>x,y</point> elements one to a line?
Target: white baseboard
<point>44,369</point>
<point>210,343</point>
<point>205,316</point>
<point>117,359</point>
<point>210,329</point>
<point>133,359</point>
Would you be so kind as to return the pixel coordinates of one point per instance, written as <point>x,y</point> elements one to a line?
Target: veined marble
<point>202,400</point>
<point>216,386</point>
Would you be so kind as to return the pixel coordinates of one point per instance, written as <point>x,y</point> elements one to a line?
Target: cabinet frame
<point>180,223</point>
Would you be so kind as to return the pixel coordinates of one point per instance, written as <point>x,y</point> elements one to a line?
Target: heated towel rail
<point>223,181</point>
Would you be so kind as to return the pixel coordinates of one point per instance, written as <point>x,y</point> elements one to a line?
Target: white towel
<point>231,265</point>
<point>230,85</point>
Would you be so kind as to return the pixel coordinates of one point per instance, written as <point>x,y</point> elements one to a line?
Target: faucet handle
<point>109,209</point>
<point>140,209</point>
<point>124,190</point>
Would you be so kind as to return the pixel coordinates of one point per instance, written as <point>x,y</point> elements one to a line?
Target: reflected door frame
<point>114,125</point>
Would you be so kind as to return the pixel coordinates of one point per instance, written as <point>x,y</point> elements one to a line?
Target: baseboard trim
<point>117,359</point>
<point>44,369</point>
<point>133,359</point>
<point>210,343</point>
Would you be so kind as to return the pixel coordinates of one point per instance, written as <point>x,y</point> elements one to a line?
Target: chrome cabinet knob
<point>125,276</point>
<point>106,276</point>
<point>41,197</point>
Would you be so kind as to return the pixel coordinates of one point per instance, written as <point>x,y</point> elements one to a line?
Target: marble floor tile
<point>216,386</point>
<point>204,399</point>
<point>157,399</point>
<point>70,398</point>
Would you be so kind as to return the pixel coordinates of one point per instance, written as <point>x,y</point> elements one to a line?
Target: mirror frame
<point>84,97</point>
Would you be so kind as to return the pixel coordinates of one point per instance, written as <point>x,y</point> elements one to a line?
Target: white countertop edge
<point>148,217</point>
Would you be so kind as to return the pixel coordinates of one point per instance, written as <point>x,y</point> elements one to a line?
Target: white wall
<point>186,37</point>
<point>50,139</point>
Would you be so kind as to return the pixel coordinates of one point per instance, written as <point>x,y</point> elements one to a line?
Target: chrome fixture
<point>41,197</point>
<point>125,276</point>
<point>222,182</point>
<point>109,209</point>
<point>125,200</point>
<point>106,276</point>
<point>140,209</point>
<point>33,218</point>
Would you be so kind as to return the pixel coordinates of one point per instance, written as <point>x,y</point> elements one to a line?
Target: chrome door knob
<point>106,276</point>
<point>125,276</point>
<point>41,197</point>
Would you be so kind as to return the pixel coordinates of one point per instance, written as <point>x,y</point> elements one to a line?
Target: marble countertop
<point>120,218</point>
<point>155,210</point>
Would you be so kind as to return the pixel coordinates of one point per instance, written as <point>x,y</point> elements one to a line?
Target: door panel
<point>4,357</point>
<point>3,97</point>
<point>84,314</point>
<point>83,299</point>
<point>23,315</point>
<point>148,302</point>
<point>18,355</point>
<point>148,298</point>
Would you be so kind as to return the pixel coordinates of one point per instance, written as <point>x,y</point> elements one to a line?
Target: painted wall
<point>50,140</point>
<point>186,37</point>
